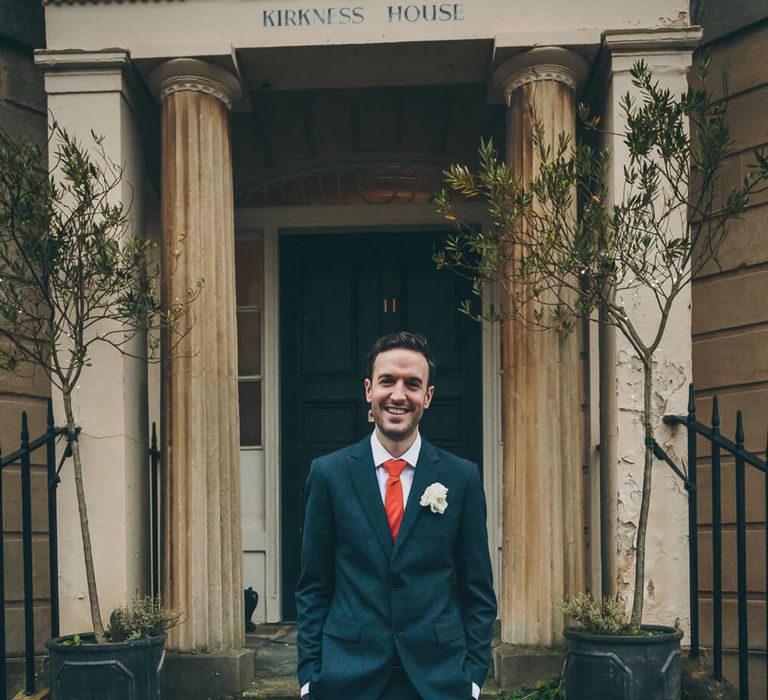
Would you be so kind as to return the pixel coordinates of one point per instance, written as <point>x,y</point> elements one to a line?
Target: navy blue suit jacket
<point>362,601</point>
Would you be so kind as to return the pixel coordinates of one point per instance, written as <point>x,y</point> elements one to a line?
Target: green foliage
<point>563,246</point>
<point>554,689</point>
<point>71,275</point>
<point>604,616</point>
<point>141,618</point>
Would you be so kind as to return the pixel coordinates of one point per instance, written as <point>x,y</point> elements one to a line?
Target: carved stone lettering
<point>437,12</point>
<point>329,16</point>
<point>311,17</point>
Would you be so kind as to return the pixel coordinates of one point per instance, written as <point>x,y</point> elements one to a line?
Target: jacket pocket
<point>449,630</point>
<point>342,628</point>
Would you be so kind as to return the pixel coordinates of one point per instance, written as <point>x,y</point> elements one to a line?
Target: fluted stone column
<point>543,542</point>
<point>202,566</point>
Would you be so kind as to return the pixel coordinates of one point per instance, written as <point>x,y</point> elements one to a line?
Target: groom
<point>395,599</point>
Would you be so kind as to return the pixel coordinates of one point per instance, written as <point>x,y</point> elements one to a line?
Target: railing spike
<point>154,435</point>
<point>24,427</point>
<point>715,413</point>
<point>739,429</point>
<point>49,416</point>
<point>691,400</point>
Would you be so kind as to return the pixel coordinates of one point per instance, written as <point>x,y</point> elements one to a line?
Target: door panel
<point>338,293</point>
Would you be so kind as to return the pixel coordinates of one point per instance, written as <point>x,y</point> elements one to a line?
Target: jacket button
<point>398,632</point>
<point>398,587</point>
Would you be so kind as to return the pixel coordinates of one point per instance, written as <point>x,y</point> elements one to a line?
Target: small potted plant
<point>72,277</point>
<point>130,665</point>
<point>557,262</point>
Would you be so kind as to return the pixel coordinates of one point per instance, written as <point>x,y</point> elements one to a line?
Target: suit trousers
<point>400,687</point>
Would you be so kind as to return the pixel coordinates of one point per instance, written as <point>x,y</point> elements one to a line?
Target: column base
<point>208,676</point>
<point>515,665</point>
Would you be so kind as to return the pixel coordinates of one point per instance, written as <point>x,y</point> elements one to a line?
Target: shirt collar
<point>380,454</point>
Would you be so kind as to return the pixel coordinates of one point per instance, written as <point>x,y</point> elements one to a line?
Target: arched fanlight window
<point>378,183</point>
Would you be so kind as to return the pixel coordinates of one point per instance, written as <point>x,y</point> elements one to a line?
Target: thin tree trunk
<point>642,525</point>
<point>90,574</point>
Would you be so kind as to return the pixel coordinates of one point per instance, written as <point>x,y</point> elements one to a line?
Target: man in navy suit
<point>395,599</point>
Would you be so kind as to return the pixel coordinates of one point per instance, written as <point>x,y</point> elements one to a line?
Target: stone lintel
<point>69,72</point>
<point>664,50</point>
<point>524,39</point>
<point>74,71</point>
<point>515,664</point>
<point>218,674</point>
<point>76,60</point>
<point>97,2</point>
<point>664,39</point>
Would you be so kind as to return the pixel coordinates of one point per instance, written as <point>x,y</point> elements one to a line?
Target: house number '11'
<point>390,305</point>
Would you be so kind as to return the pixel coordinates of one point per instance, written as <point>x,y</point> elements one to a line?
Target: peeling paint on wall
<point>681,20</point>
<point>666,551</point>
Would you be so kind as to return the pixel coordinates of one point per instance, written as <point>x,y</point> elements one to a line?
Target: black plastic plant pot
<point>120,671</point>
<point>643,667</point>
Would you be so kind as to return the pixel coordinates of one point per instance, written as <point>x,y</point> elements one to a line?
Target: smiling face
<point>398,392</point>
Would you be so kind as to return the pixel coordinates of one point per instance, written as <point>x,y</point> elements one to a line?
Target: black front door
<point>339,292</point>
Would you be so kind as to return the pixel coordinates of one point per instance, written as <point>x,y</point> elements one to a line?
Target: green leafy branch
<point>564,246</point>
<point>72,276</point>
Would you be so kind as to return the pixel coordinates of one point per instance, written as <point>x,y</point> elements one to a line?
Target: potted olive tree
<point>564,248</point>
<point>72,277</point>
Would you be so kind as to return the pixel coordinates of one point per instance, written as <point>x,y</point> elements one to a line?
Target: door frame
<point>274,221</point>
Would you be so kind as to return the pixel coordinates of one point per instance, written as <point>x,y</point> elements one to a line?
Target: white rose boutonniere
<point>435,496</point>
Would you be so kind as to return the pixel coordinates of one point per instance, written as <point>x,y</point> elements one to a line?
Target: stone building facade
<point>23,115</point>
<point>729,326</point>
<point>288,155</point>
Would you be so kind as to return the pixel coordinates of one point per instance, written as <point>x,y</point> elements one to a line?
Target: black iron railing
<point>743,459</point>
<point>23,457</point>
<point>155,488</point>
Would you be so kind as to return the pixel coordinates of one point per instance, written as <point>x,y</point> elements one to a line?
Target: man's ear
<point>428,396</point>
<point>367,384</point>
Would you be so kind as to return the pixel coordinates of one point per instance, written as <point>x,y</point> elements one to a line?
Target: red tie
<point>393,499</point>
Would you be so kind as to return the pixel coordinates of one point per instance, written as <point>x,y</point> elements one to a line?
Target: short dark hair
<point>407,340</point>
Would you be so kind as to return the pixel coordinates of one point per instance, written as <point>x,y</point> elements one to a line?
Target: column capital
<point>544,63</point>
<point>192,74</point>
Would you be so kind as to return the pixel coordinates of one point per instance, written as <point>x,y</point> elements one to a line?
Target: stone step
<point>276,688</point>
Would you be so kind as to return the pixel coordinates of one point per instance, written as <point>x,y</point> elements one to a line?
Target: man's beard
<point>395,434</point>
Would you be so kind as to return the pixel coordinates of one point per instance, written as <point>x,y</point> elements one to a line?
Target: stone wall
<point>23,115</point>
<point>730,352</point>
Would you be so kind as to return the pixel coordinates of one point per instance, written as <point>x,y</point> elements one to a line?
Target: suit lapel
<point>426,470</point>
<point>363,472</point>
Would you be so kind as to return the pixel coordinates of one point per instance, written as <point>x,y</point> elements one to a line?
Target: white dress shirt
<point>380,455</point>
<point>411,456</point>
